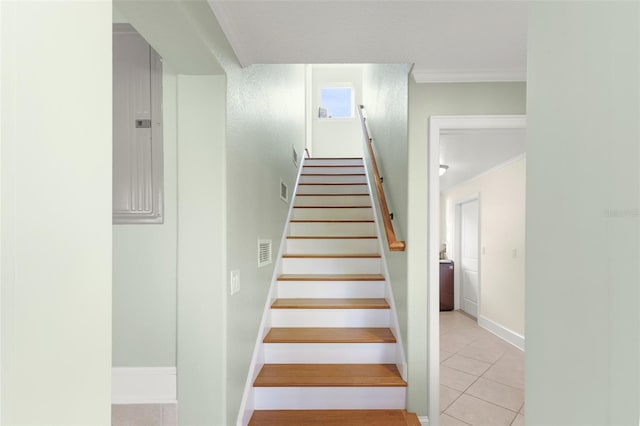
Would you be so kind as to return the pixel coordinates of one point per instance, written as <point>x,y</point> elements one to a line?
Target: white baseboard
<point>504,333</point>
<point>424,420</point>
<point>139,385</point>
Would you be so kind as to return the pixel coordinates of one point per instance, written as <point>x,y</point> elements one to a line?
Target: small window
<point>336,102</point>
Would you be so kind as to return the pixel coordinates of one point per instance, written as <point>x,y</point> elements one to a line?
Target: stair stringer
<point>401,360</point>
<point>247,406</point>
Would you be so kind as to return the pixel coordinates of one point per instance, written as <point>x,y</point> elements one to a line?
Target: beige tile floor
<point>481,376</point>
<point>144,415</point>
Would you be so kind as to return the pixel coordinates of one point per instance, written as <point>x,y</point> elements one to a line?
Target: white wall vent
<point>284,191</point>
<point>294,156</point>
<point>264,252</point>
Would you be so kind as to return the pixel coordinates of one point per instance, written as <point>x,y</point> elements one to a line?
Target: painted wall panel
<point>55,218</point>
<point>386,106</point>
<point>583,228</point>
<point>426,100</point>
<point>144,267</point>
<point>201,300</point>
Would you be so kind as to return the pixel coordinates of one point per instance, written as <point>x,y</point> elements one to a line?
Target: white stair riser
<point>333,189</point>
<point>331,266</point>
<point>309,398</point>
<point>330,353</point>
<point>330,318</point>
<point>332,246</point>
<point>332,228</point>
<point>330,289</point>
<point>335,214</point>
<point>333,161</point>
<point>333,200</point>
<point>333,179</point>
<point>332,170</point>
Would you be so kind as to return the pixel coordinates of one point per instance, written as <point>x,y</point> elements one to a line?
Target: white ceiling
<point>471,153</point>
<point>446,40</point>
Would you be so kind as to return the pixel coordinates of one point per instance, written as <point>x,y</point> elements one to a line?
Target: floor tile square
<point>446,420</point>
<point>455,379</point>
<point>518,421</point>
<point>497,393</point>
<point>467,365</point>
<point>447,396</point>
<point>480,413</point>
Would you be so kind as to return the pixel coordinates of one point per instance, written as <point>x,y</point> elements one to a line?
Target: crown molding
<point>422,75</point>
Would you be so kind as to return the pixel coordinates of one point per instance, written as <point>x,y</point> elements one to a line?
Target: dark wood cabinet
<point>446,286</point>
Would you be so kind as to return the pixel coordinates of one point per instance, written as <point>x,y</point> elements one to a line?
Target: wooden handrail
<point>394,243</point>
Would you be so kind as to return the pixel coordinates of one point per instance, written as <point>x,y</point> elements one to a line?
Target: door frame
<point>437,125</point>
<point>457,243</point>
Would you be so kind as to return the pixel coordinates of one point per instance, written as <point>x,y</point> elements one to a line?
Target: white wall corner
<point>504,333</point>
<point>139,385</point>
<point>424,420</point>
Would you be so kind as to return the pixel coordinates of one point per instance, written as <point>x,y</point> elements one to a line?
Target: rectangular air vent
<point>284,191</point>
<point>264,252</point>
<point>294,156</point>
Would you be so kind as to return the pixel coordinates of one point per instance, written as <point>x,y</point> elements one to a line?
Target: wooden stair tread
<point>332,183</point>
<point>333,256</point>
<point>329,375</point>
<point>329,335</point>
<point>334,158</point>
<point>331,277</point>
<point>332,174</point>
<point>331,207</point>
<point>330,237</point>
<point>334,165</point>
<point>331,220</point>
<point>320,303</point>
<point>331,418</point>
<point>360,194</point>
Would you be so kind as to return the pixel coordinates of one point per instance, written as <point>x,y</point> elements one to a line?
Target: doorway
<point>468,224</point>
<point>440,125</point>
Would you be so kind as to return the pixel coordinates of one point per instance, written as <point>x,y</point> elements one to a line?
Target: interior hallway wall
<point>265,119</point>
<point>501,193</point>
<point>144,265</point>
<point>583,211</point>
<point>385,92</point>
<point>426,100</point>
<point>55,213</point>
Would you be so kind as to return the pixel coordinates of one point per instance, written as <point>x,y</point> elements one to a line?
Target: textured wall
<point>265,118</point>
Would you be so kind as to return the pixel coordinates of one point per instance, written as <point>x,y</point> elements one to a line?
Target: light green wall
<point>144,267</point>
<point>426,100</point>
<point>583,229</point>
<point>386,107</point>
<point>265,117</point>
<point>201,250</point>
<point>56,213</point>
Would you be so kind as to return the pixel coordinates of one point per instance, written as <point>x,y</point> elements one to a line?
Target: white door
<point>469,233</point>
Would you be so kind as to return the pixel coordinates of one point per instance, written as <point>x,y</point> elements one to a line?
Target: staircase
<point>329,352</point>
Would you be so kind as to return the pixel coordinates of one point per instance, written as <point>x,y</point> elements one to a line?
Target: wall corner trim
<point>502,332</point>
<point>143,385</point>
